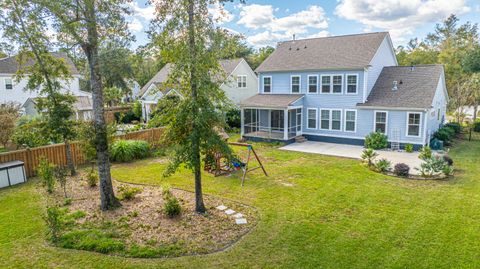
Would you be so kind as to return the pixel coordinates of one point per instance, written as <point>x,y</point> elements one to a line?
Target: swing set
<point>221,166</point>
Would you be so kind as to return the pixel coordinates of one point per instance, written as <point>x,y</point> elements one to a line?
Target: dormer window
<point>295,84</point>
<point>8,84</point>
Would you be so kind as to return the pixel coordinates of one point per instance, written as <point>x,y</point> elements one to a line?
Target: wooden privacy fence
<point>56,153</point>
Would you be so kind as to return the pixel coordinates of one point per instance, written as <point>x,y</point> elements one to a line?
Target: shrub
<point>447,159</point>
<point>61,176</point>
<point>409,148</point>
<point>171,207</point>
<point>92,240</point>
<point>376,140</point>
<point>92,178</point>
<point>425,153</point>
<point>137,109</point>
<point>368,156</point>
<point>445,134</point>
<point>447,170</point>
<point>128,193</point>
<point>54,222</point>
<point>476,126</point>
<point>432,166</point>
<point>46,174</point>
<point>128,150</point>
<point>455,126</point>
<point>383,165</point>
<point>233,118</point>
<point>401,170</point>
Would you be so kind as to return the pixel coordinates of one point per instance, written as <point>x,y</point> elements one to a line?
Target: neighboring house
<point>240,84</point>
<point>13,91</point>
<point>83,107</point>
<point>339,89</point>
<point>467,112</point>
<point>135,91</point>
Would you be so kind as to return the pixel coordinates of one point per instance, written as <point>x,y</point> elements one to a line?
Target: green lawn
<point>337,214</point>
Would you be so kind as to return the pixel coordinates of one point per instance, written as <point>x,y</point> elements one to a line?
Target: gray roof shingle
<point>227,65</point>
<point>336,52</point>
<point>416,87</point>
<point>271,100</point>
<point>10,65</point>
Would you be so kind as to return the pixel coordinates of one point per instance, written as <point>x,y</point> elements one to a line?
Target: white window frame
<point>316,118</point>
<point>321,84</point>
<point>346,84</point>
<point>419,124</point>
<point>299,83</point>
<point>263,84</point>
<point>11,83</point>
<point>330,119</point>
<point>375,120</point>
<point>239,80</point>
<point>355,122</point>
<point>341,85</point>
<point>308,84</point>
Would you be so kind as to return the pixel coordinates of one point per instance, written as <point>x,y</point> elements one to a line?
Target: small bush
<point>383,165</point>
<point>128,193</point>
<point>447,170</point>
<point>46,174</point>
<point>368,156</point>
<point>53,218</point>
<point>92,178</point>
<point>476,126</point>
<point>401,170</point>
<point>432,166</point>
<point>233,118</point>
<point>92,240</point>
<point>409,148</point>
<point>376,140</point>
<point>61,176</point>
<point>425,153</point>
<point>447,159</point>
<point>129,150</point>
<point>455,126</point>
<point>171,207</point>
<point>445,134</point>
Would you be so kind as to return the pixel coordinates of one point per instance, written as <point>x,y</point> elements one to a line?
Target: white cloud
<point>322,33</point>
<point>219,14</point>
<point>279,28</point>
<point>147,12</point>
<point>135,25</point>
<point>399,17</point>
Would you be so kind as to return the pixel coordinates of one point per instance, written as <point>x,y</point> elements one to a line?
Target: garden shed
<point>12,173</point>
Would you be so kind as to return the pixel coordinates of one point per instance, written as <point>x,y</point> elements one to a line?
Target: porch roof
<point>271,100</point>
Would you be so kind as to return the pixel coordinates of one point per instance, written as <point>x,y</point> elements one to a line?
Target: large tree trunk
<point>107,195</point>
<point>68,153</point>
<point>199,205</point>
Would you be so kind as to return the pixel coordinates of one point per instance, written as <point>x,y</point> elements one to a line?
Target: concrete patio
<point>355,152</point>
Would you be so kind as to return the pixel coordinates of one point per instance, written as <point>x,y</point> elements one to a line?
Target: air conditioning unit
<point>12,173</point>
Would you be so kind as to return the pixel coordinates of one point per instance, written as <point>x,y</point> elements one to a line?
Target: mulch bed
<point>141,222</point>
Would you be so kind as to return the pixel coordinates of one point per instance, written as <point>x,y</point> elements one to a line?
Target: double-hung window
<point>331,119</point>
<point>352,82</point>
<point>325,84</point>
<point>325,119</point>
<point>413,125</point>
<point>336,120</point>
<point>350,120</point>
<point>267,84</point>
<point>312,84</point>
<point>241,81</point>
<point>295,84</point>
<point>337,84</point>
<point>8,84</point>
<point>381,122</point>
<point>312,118</point>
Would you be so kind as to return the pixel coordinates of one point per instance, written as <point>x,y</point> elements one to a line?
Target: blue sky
<point>265,22</point>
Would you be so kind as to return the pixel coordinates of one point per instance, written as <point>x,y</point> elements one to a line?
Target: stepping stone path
<point>239,219</point>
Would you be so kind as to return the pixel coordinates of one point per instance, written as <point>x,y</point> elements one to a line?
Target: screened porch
<point>275,124</point>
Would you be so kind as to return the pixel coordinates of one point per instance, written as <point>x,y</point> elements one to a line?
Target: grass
<point>316,211</point>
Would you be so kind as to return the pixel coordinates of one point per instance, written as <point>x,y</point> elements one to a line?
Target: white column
<point>242,123</point>
<point>285,124</point>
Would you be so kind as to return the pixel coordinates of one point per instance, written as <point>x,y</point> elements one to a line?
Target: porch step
<point>300,139</point>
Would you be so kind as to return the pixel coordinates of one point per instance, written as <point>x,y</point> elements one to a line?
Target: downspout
<point>425,139</point>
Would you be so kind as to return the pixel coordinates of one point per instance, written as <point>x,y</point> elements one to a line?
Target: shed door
<point>3,179</point>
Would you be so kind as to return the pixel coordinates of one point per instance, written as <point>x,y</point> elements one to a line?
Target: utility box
<point>12,173</point>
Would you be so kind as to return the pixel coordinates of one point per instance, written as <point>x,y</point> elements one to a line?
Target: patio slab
<point>355,152</point>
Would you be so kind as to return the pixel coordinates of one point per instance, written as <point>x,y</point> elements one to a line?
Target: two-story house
<point>341,88</point>
<point>240,83</point>
<point>15,91</point>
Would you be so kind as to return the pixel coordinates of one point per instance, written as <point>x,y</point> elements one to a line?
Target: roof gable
<point>336,52</point>
<point>416,87</point>
<point>10,65</point>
